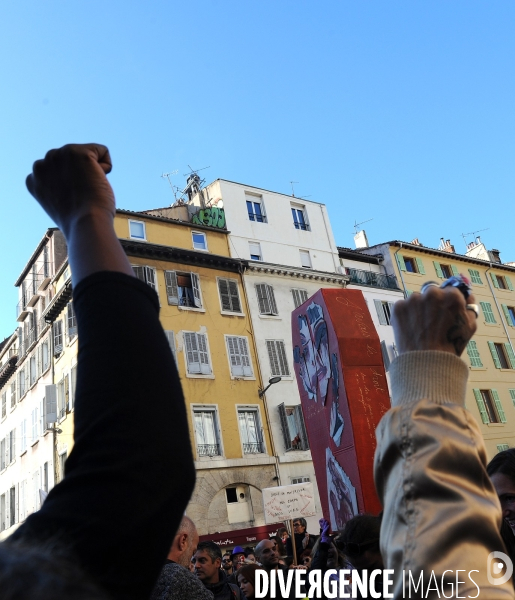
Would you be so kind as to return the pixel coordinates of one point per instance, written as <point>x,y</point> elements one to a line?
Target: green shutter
<point>498,406</point>
<point>400,262</point>
<point>455,270</point>
<point>472,351</point>
<point>494,354</point>
<point>408,293</point>
<point>507,315</point>
<point>438,269</point>
<point>493,277</point>
<point>475,276</point>
<point>508,282</point>
<point>502,447</point>
<point>481,406</point>
<point>509,354</point>
<point>420,266</point>
<point>486,307</point>
<point>512,395</point>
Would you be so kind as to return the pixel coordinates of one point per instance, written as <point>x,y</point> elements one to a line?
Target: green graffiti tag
<point>212,217</point>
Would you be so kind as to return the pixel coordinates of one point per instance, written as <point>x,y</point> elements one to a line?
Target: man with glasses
<point>303,539</point>
<point>227,563</point>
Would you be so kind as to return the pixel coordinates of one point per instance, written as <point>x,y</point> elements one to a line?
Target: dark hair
<point>281,550</point>
<point>248,550</point>
<point>249,572</point>
<point>210,548</point>
<point>504,463</point>
<point>302,521</point>
<point>227,553</point>
<point>305,554</point>
<point>361,533</point>
<point>288,561</point>
<point>281,530</point>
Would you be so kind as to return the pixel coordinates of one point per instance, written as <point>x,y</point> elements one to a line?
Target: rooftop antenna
<point>473,233</point>
<point>171,174</point>
<point>356,225</point>
<point>292,190</point>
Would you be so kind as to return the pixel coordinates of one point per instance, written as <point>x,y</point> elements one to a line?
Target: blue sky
<point>398,111</point>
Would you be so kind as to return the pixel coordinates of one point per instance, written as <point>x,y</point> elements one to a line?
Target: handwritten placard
<point>288,502</point>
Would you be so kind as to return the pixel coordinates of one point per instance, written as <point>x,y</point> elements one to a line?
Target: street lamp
<point>270,382</point>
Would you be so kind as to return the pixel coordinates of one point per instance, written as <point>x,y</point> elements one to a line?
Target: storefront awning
<point>242,537</point>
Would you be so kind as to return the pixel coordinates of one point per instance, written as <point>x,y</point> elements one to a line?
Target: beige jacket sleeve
<point>441,512</point>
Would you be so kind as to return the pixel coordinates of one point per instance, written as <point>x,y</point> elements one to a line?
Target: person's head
<point>359,541</point>
<point>237,557</point>
<point>247,580</point>
<point>266,553</point>
<point>299,525</point>
<point>184,543</point>
<point>281,549</point>
<point>502,473</point>
<point>282,533</point>
<point>208,560</point>
<point>227,562</point>
<point>249,555</point>
<point>305,558</point>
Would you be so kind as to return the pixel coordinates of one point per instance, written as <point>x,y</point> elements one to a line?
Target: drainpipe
<point>336,270</point>
<point>498,309</point>
<point>400,270</point>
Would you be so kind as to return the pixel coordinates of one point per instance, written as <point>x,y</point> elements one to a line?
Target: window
<point>146,274</point>
<point>183,289</point>
<point>23,381</point>
<point>12,506</point>
<point>299,218</point>
<point>23,436</point>
<point>489,405</point>
<point>35,424</point>
<point>2,513</point>
<point>33,371</point>
<point>2,454</point>
<point>199,240</point>
<point>411,265</point>
<point>229,296</point>
<point>475,276</point>
<point>488,313</point>
<point>445,271</point>
<point>502,282</point>
<point>300,480</point>
<point>137,230</point>
<point>45,356</point>
<point>255,208</point>
<point>231,495</point>
<point>4,405</point>
<point>71,321</point>
<point>13,393</point>
<point>266,299</point>
<point>45,477</point>
<point>63,397</point>
<point>299,297</point>
<point>277,357</point>
<point>10,442</point>
<point>197,355</point>
<point>502,355</point>
<point>206,431</point>
<point>250,430</point>
<point>509,314</point>
<point>473,353</point>
<point>305,259</point>
<point>294,430</point>
<point>239,358</point>
<point>58,337</point>
<point>23,500</point>
<point>502,447</point>
<point>512,396</point>
<point>384,311</point>
<point>255,251</point>
<point>62,464</point>
<point>386,356</point>
<point>170,336</point>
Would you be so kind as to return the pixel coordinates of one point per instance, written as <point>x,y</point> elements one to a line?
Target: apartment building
<point>490,355</point>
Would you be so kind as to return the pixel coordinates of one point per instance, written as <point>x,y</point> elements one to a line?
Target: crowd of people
<point>115,525</point>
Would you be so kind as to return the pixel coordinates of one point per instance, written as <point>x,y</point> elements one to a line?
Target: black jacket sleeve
<point>130,473</point>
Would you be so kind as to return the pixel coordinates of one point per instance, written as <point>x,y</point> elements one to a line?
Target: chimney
<point>446,246</point>
<point>415,242</point>
<point>361,240</point>
<point>495,256</point>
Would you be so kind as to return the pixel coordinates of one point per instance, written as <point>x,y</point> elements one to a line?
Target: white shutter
<point>273,358</point>
<point>263,301</point>
<point>296,298</point>
<point>205,366</point>
<point>245,357</point>
<point>235,298</point>
<point>225,298</point>
<point>277,357</point>
<point>386,357</point>
<point>150,277</point>
<point>234,356</point>
<point>171,287</point>
<point>170,336</point>
<point>139,272</point>
<point>380,312</point>
<point>271,300</point>
<point>195,284</point>
<point>50,404</point>
<point>192,355</point>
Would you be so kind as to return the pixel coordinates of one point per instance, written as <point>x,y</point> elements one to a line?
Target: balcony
<point>359,277</point>
<point>44,276</point>
<point>208,449</point>
<point>21,310</point>
<point>253,448</point>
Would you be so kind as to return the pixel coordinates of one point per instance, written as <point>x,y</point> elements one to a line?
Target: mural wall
<point>344,394</point>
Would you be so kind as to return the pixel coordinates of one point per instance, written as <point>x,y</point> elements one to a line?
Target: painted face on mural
<point>341,492</point>
<point>322,359</point>
<point>308,369</point>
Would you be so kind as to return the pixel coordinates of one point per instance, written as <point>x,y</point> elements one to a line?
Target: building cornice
<point>49,233</point>
<point>373,259</point>
<point>145,215</point>
<point>294,272</point>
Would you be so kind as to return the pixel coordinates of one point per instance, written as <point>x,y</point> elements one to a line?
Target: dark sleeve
<point>130,473</point>
<point>289,547</point>
<point>319,561</point>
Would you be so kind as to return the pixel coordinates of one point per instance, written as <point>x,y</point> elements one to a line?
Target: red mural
<point>344,394</point>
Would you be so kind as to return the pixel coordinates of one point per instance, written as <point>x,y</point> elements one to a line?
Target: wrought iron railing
<point>252,448</point>
<point>208,449</point>
<point>359,277</point>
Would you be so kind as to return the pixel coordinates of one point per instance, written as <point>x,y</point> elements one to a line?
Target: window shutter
<point>195,284</point>
<point>386,358</point>
<point>205,367</point>
<point>302,428</point>
<point>498,406</point>
<point>508,282</point>
<point>235,297</point>
<point>408,293</point>
<point>271,300</point>
<point>472,351</point>
<point>475,276</point>
<point>390,306</point>
<point>225,297</point>
<point>171,341</point>
<point>420,266</point>
<point>39,360</point>
<point>245,357</point>
<point>171,287</point>
<point>192,355</point>
<point>510,354</point>
<point>486,307</point>
<point>138,271</point>
<point>493,277</point>
<point>380,312</point>
<point>438,269</point>
<point>296,298</point>
<point>273,358</point>
<point>512,396</point>
<point>234,356</point>
<point>507,315</point>
<point>455,270</point>
<point>263,301</point>
<point>150,277</point>
<point>501,447</point>
<point>284,427</point>
<point>494,354</point>
<point>73,384</point>
<point>402,264</point>
<point>481,406</point>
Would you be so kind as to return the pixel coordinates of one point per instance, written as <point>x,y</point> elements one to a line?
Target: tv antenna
<point>292,190</point>
<point>473,233</point>
<point>356,225</point>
